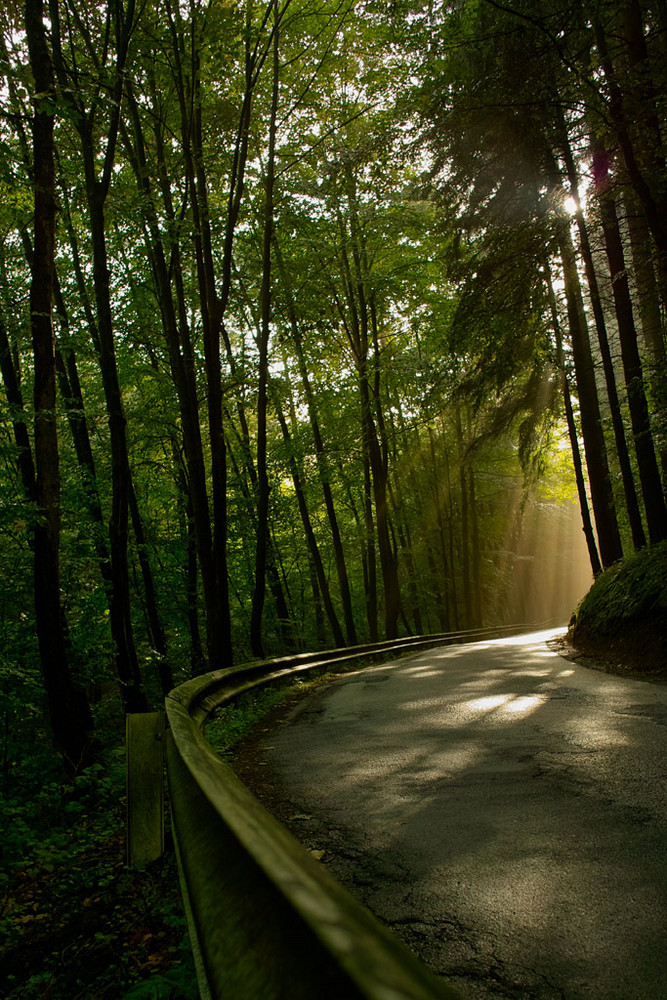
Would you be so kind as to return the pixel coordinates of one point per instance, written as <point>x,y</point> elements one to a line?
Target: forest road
<point>500,807</point>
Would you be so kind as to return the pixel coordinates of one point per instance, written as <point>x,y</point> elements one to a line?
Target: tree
<point>68,707</point>
<point>96,118</point>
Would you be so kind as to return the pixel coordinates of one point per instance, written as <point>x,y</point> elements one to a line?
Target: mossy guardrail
<point>267,920</point>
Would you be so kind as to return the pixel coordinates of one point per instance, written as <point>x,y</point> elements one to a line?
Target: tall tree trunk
<point>442,576</point>
<point>648,297</point>
<point>369,551</point>
<point>453,589</point>
<point>630,492</point>
<point>12,385</point>
<point>318,611</point>
<point>70,390</point>
<point>188,533</point>
<point>69,712</point>
<point>97,188</point>
<point>465,529</point>
<point>219,627</point>
<point>313,548</point>
<point>595,449</point>
<point>587,525</point>
<point>405,543</point>
<point>175,326</point>
<point>155,627</point>
<point>257,608</point>
<point>129,674</point>
<point>321,458</point>
<point>380,468</point>
<point>645,165</point>
<point>649,475</point>
<point>476,554</point>
<point>361,328</point>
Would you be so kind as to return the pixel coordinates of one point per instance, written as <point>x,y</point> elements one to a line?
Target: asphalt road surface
<point>501,808</point>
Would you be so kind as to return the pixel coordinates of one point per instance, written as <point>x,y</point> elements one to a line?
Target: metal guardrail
<point>266,920</point>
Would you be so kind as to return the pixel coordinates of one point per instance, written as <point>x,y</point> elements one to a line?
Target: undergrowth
<point>624,614</point>
<point>234,721</point>
<point>629,590</point>
<point>75,921</point>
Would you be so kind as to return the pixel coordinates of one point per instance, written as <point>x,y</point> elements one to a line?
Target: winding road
<point>501,807</point>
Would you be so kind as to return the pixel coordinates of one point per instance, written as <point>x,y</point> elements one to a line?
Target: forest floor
<point>92,928</point>
<point>76,922</point>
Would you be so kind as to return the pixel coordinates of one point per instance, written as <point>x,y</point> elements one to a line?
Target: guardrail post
<point>145,787</point>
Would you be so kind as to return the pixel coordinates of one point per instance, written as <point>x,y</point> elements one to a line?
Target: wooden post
<point>145,787</point>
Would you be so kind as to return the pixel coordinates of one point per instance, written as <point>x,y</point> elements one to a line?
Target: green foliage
<point>414,224</point>
<point>75,921</point>
<point>416,217</point>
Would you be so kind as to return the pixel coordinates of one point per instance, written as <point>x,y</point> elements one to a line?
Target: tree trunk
<point>651,322</point>
<point>587,525</point>
<point>97,188</point>
<point>465,528</point>
<point>361,328</point>
<point>69,712</point>
<point>314,552</point>
<point>129,674</point>
<point>70,390</point>
<point>322,461</point>
<point>476,554</point>
<point>649,475</point>
<point>175,326</point>
<point>257,608</point>
<point>452,590</point>
<point>155,627</point>
<point>595,449</point>
<point>630,492</point>
<point>369,553</point>
<point>643,164</point>
<point>442,577</point>
<point>12,385</point>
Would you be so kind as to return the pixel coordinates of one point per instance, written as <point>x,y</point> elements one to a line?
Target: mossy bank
<point>622,620</point>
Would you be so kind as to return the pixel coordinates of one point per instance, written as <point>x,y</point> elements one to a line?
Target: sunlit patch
<point>532,639</point>
<point>566,673</point>
<point>422,672</point>
<point>525,704</point>
<point>489,703</point>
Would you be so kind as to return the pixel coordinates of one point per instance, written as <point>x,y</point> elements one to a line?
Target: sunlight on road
<point>522,705</point>
<point>533,639</point>
<point>526,704</point>
<point>489,703</point>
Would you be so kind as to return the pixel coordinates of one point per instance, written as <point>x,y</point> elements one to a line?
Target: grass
<point>234,721</point>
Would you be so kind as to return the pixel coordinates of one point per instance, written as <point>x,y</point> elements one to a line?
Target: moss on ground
<point>622,620</point>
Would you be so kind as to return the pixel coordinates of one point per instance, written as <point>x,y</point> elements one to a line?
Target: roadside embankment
<point>622,620</point>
